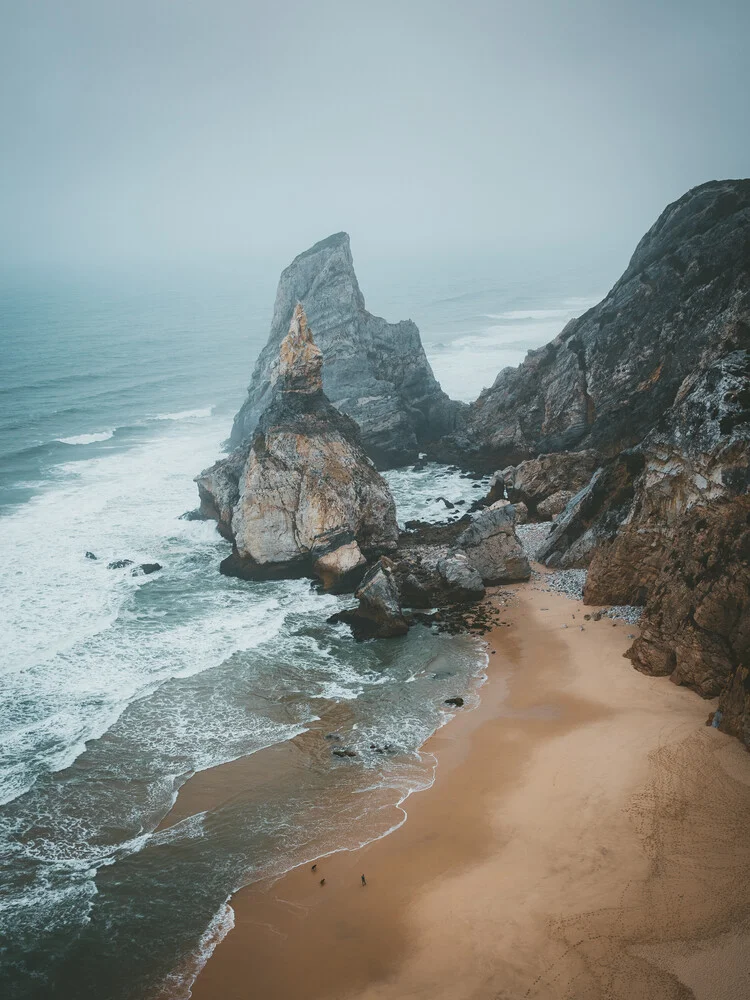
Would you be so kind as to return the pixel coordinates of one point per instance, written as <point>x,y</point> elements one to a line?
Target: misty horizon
<point>154,137</point>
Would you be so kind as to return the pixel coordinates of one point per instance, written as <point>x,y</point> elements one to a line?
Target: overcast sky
<point>169,130</point>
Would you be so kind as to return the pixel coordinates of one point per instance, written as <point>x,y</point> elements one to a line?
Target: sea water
<point>116,687</point>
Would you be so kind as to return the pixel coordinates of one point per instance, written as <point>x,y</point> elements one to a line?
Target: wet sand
<point>585,837</point>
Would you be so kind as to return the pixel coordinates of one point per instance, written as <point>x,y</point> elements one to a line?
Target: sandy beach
<point>585,837</point>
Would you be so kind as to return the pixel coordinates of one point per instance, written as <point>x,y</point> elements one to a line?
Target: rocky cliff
<point>649,393</point>
<point>611,374</point>
<point>373,371</point>
<point>301,497</point>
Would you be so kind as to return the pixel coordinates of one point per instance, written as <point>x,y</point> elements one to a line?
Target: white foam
<point>178,983</point>
<point>87,438</point>
<point>199,414</point>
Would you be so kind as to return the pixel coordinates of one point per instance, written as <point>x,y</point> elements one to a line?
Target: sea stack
<point>300,498</point>
<point>375,372</point>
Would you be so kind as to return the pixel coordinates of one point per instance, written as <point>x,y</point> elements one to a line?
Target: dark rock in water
<point>447,503</point>
<point>379,614</point>
<point>332,736</point>
<point>344,752</point>
<point>493,549</point>
<point>120,564</point>
<point>302,498</point>
<point>458,702</point>
<point>147,568</point>
<point>375,372</point>
<point>608,377</point>
<point>194,515</point>
<point>696,624</point>
<point>90,555</point>
<point>420,465</point>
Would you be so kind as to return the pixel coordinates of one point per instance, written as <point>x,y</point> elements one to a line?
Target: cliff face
<point>373,371</point>
<point>301,497</point>
<point>609,377</point>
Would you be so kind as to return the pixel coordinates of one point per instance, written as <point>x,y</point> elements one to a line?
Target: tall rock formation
<point>301,496</point>
<point>373,371</point>
<point>611,374</point>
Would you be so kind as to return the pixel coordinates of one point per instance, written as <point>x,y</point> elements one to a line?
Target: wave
<point>198,414</point>
<point>87,438</point>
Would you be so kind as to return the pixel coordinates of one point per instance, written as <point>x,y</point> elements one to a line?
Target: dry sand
<point>586,837</point>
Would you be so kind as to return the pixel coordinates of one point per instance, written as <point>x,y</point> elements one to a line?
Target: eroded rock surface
<point>696,625</point>
<point>302,496</point>
<point>375,372</point>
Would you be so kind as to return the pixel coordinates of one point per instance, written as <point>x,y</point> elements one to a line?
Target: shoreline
<point>480,893</point>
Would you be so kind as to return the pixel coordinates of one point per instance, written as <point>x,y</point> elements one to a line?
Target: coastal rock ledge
<point>301,498</point>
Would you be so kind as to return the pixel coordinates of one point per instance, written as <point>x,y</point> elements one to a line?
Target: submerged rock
<point>375,372</point>
<point>120,564</point>
<point>302,497</point>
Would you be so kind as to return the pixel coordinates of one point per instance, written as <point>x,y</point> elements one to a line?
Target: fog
<point>160,132</point>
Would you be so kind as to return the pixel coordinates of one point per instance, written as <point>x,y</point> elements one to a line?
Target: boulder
<point>379,614</point>
<point>303,488</point>
<point>120,564</point>
<point>375,372</point>
<point>492,548</point>
<point>462,583</point>
<point>522,512</point>
<point>548,509</point>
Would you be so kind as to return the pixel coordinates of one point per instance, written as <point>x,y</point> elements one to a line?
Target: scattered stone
<point>120,564</point>
<point>90,555</point>
<point>458,702</point>
<point>344,752</point>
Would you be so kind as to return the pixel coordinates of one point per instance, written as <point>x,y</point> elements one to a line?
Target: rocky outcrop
<point>301,497</point>
<point>700,453</point>
<point>696,625</point>
<point>608,378</point>
<point>375,372</point>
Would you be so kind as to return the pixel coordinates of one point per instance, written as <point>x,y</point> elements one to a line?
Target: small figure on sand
<point>322,881</point>
<point>364,880</point>
<point>314,867</point>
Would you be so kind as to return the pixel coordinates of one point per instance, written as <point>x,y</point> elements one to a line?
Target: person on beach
<point>322,881</point>
<point>313,868</point>
<point>364,880</point>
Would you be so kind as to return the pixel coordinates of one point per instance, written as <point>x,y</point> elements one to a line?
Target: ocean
<point>116,688</point>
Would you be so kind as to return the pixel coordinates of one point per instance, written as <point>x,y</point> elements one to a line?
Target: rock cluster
<point>301,497</point>
<point>375,372</point>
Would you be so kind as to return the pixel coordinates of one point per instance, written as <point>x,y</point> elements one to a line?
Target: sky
<point>155,132</point>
